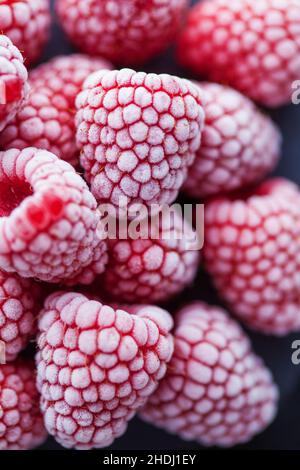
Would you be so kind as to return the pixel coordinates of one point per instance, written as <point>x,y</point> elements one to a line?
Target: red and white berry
<point>97,366</point>
<point>27,24</point>
<point>127,32</point>
<point>21,422</point>
<point>216,390</point>
<point>66,74</point>
<point>153,269</point>
<point>252,251</point>
<point>13,80</point>
<point>240,145</point>
<point>252,46</point>
<point>138,134</point>
<point>48,218</point>
<point>19,305</point>
<point>47,119</point>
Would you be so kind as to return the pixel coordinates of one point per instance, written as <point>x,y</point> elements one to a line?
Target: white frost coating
<point>127,122</point>
<point>240,145</point>
<point>106,374</point>
<point>260,36</point>
<point>27,25</point>
<point>199,399</point>
<point>253,255</point>
<point>12,69</point>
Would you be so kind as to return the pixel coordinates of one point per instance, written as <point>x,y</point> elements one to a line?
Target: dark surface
<point>284,432</point>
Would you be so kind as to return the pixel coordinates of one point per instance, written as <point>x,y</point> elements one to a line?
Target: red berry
<point>97,366</point>
<point>216,390</point>
<point>126,32</point>
<point>252,251</point>
<point>240,145</point>
<point>47,119</point>
<point>26,23</point>
<point>138,134</point>
<point>13,80</point>
<point>19,306</point>
<point>251,45</point>
<point>151,270</point>
<point>48,218</point>
<point>21,423</point>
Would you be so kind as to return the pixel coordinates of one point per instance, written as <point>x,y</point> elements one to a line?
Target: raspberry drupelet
<point>138,134</point>
<point>127,32</point>
<point>20,301</point>
<point>152,269</point>
<point>216,390</point>
<point>21,422</point>
<point>240,145</point>
<point>48,219</point>
<point>47,119</point>
<point>14,87</point>
<point>27,24</point>
<point>97,366</point>
<point>252,251</point>
<point>252,46</point>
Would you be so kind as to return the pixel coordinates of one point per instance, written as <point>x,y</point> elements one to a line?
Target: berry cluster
<point>89,158</point>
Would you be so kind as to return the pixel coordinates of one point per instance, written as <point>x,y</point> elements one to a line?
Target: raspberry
<point>21,423</point>
<point>252,251</point>
<point>13,80</point>
<point>97,366</point>
<point>138,134</point>
<point>47,119</point>
<point>240,145</point>
<point>251,45</point>
<point>216,390</point>
<point>127,32</point>
<point>66,74</point>
<point>27,24</point>
<point>19,306</point>
<point>48,218</point>
<point>152,270</point>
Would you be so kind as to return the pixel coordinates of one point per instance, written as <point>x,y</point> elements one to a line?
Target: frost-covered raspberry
<point>97,366</point>
<point>126,32</point>
<point>251,45</point>
<point>66,74</point>
<point>153,269</point>
<point>19,306</point>
<point>252,251</point>
<point>26,23</point>
<point>216,390</point>
<point>13,80</point>
<point>240,145</point>
<point>138,134</point>
<point>47,119</point>
<point>48,218</point>
<point>21,422</point>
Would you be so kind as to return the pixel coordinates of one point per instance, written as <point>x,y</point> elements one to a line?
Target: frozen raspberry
<point>66,74</point>
<point>97,366</point>
<point>240,145</point>
<point>21,423</point>
<point>153,269</point>
<point>216,390</point>
<point>48,218</point>
<point>47,119</point>
<point>253,46</point>
<point>26,23</point>
<point>126,32</point>
<point>252,251</point>
<point>13,80</point>
<point>138,134</point>
<point>19,306</point>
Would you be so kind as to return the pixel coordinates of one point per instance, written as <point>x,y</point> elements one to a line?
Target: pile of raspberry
<point>97,253</point>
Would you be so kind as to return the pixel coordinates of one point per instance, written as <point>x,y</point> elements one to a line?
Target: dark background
<point>284,432</point>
